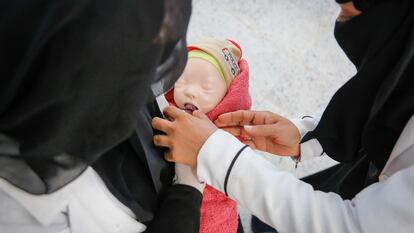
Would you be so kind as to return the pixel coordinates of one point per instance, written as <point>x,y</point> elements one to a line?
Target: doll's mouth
<point>190,108</point>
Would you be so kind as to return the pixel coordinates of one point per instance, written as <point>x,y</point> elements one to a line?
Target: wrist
<point>192,183</point>
<point>295,151</point>
<point>296,157</point>
<point>186,175</point>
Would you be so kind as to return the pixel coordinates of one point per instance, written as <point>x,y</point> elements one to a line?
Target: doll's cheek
<point>179,99</point>
<point>208,104</point>
<point>206,109</point>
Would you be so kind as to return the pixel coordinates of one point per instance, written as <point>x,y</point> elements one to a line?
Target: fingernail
<point>247,127</point>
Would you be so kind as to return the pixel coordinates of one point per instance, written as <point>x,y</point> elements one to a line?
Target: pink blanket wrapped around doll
<point>218,212</point>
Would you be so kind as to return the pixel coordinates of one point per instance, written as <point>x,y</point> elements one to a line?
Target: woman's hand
<point>348,11</point>
<point>264,131</point>
<point>184,134</point>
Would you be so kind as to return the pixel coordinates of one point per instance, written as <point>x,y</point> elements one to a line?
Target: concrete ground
<point>295,62</point>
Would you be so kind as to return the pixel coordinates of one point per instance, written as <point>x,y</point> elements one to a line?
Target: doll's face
<point>199,87</point>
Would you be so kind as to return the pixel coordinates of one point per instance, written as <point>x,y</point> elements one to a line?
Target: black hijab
<point>365,117</point>
<point>74,76</point>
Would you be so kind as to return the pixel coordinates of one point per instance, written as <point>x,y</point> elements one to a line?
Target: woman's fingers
<point>260,130</point>
<point>235,118</point>
<point>162,140</point>
<point>168,156</point>
<point>185,134</point>
<point>173,112</point>
<point>243,136</point>
<point>237,131</point>
<point>225,120</point>
<point>161,124</point>
<point>244,117</point>
<point>200,114</point>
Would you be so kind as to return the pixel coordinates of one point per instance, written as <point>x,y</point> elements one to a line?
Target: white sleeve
<point>83,205</point>
<point>311,148</point>
<point>290,205</point>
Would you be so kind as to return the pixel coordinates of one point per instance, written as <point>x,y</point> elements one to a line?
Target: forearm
<point>276,197</point>
<point>178,212</point>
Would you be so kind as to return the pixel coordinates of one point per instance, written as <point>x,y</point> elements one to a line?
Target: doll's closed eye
<point>207,86</point>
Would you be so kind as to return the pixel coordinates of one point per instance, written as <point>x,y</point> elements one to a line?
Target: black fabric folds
<point>135,170</point>
<point>73,78</point>
<point>180,211</point>
<point>365,117</point>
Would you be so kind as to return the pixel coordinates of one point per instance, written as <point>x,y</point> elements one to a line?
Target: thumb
<point>200,114</point>
<point>260,130</point>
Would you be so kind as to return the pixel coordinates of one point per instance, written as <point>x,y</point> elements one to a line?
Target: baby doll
<point>215,81</point>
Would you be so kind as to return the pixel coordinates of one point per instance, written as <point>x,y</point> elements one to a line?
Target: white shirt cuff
<point>305,124</point>
<point>311,148</point>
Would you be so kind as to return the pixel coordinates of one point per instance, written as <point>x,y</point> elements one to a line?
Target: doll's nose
<point>190,92</point>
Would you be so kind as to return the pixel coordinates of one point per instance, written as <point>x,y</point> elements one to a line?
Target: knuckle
<point>186,120</point>
<point>173,128</point>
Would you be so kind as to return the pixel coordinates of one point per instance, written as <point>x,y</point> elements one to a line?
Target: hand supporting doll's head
<point>212,65</point>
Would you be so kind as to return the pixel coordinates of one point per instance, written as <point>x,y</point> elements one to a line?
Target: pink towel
<point>218,212</point>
